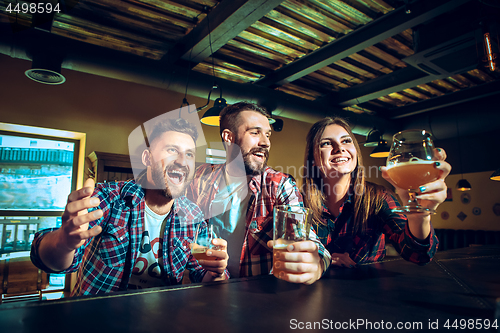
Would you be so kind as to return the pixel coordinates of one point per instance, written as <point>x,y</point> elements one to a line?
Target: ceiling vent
<point>455,56</point>
<point>46,69</point>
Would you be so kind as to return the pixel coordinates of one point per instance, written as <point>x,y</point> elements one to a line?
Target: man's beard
<point>253,168</point>
<point>159,177</point>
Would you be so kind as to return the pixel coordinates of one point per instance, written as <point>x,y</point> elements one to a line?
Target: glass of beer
<point>203,238</point>
<point>291,224</point>
<point>410,164</point>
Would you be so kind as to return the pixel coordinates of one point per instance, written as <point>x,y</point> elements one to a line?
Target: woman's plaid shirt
<point>370,245</point>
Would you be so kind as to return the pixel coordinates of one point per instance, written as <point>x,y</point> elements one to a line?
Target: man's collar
<point>257,179</point>
<point>132,193</point>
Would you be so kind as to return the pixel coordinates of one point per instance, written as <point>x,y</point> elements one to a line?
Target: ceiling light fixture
<point>489,56</point>
<point>212,116</point>
<point>495,175</point>
<point>381,150</point>
<point>373,138</point>
<point>46,69</point>
<point>491,47</point>
<point>463,184</point>
<point>277,124</point>
<point>407,7</point>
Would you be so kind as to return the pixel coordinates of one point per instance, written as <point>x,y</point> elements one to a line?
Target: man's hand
<point>57,248</point>
<point>301,262</point>
<point>76,218</point>
<point>218,264</point>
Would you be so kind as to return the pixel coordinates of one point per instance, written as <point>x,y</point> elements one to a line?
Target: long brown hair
<point>367,196</point>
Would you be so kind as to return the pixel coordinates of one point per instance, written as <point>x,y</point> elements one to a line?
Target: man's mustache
<point>258,150</point>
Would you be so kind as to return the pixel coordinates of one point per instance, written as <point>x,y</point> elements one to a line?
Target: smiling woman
<point>343,160</point>
<point>353,217</point>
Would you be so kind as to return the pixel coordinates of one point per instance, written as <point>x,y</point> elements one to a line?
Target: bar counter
<point>457,289</point>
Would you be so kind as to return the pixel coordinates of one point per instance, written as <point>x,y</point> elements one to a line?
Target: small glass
<point>411,164</point>
<point>203,238</point>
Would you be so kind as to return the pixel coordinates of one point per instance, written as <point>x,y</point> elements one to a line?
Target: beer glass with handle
<point>410,164</point>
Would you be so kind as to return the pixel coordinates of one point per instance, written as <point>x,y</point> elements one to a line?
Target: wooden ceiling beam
<point>462,96</point>
<point>378,30</point>
<point>226,21</point>
<point>399,80</point>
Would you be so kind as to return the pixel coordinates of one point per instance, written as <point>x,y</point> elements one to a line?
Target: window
<point>39,167</point>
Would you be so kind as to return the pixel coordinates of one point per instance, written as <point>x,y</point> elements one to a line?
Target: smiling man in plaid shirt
<point>241,197</point>
<point>134,234</point>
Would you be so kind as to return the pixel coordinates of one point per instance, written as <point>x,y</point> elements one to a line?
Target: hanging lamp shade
<point>212,116</point>
<point>463,185</point>
<point>373,138</point>
<point>381,151</point>
<point>495,175</point>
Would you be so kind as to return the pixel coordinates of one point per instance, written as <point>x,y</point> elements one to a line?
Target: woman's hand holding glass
<point>210,251</point>
<point>429,195</point>
<point>417,170</point>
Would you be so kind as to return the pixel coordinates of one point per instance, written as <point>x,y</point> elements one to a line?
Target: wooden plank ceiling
<point>275,48</point>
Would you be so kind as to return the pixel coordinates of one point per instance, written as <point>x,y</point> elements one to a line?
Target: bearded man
<point>134,234</point>
<point>239,197</point>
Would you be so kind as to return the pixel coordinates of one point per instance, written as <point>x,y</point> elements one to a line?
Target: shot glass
<point>203,238</point>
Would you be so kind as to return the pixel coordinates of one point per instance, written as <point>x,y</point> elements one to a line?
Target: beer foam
<point>412,161</point>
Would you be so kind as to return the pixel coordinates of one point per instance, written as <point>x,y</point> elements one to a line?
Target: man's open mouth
<point>176,176</point>
<point>260,153</point>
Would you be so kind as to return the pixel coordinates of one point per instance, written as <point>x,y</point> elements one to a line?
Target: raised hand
<point>58,247</point>
<point>76,218</point>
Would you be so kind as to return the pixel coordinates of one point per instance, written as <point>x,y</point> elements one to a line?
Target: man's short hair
<point>229,116</point>
<point>175,125</point>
